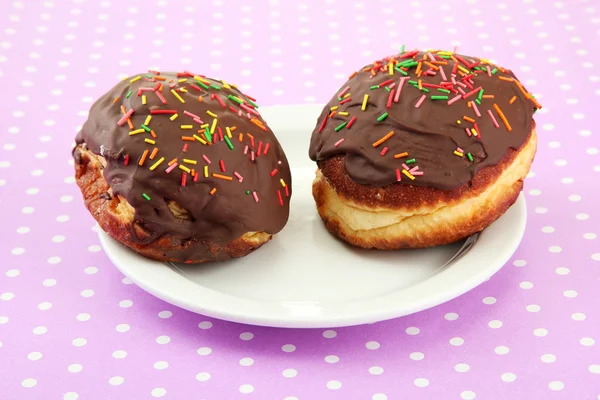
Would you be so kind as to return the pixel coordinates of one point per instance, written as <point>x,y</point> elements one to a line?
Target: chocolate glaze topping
<point>241,181</point>
<point>454,115</point>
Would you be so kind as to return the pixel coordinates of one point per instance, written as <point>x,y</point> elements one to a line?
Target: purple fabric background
<point>72,327</point>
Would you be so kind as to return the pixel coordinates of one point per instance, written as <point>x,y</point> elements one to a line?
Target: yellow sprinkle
<point>364,104</point>
<point>183,167</point>
<point>188,161</point>
<point>334,108</point>
<point>187,126</point>
<point>474,131</point>
<point>391,68</point>
<point>204,126</point>
<point>212,114</point>
<point>182,80</point>
<point>137,78</point>
<point>458,153</point>
<point>463,69</point>
<point>201,79</point>
<point>347,95</point>
<point>156,164</point>
<point>147,140</point>
<point>405,172</point>
<point>148,119</point>
<point>136,132</point>
<point>214,125</point>
<point>282,182</point>
<point>342,113</point>
<point>206,171</point>
<point>228,132</point>
<point>458,121</point>
<point>143,99</point>
<point>174,117</point>
<point>184,90</point>
<point>177,95</point>
<point>198,138</point>
<point>225,85</point>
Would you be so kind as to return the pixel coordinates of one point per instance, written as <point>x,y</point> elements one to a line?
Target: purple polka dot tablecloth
<point>72,327</point>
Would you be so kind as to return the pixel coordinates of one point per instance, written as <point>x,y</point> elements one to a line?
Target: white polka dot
<point>74,368</point>
<point>519,263</point>
<point>334,385</point>
<point>158,392</point>
<point>126,281</point>
<point>567,180</point>
<point>411,330</point>
<point>556,385</point>
<point>90,270</point>
<point>451,316</point>
<point>562,271</point>
<point>17,251</point>
<point>163,339</point>
<point>525,285</point>
<point>589,236</point>
<point>332,359</point>
<point>560,162</point>
<point>58,239</point>
<point>54,260</point>
<point>62,218</point>
<point>203,376</point>
<point>501,350</point>
<point>27,210</point>
<point>570,293</point>
<point>596,256</point>
<point>378,396</point>
<point>6,296</point>
<point>37,172</point>
<point>554,249</point>
<point>574,197</point>
<point>417,356</point>
<point>160,365</point>
<point>125,303</point>
<point>40,330</point>
<point>462,367</point>
<point>467,395</point>
<point>45,306</point>
<point>32,191</point>
<point>205,325</point>
<point>246,388</point>
<point>554,144</point>
<point>49,282</point>
<point>82,317</point>
<point>289,373</point>
<point>376,370</point>
<point>594,369</point>
<point>288,348</point>
<point>533,308</point>
<point>495,324</point>
<point>116,380</point>
<point>119,354</point>
<point>28,383</point>
<point>508,377</point>
<point>592,151</point>
<point>123,328</point>
<point>578,316</point>
<point>246,362</point>
<point>246,336</point>
<point>421,382</point>
<point>372,345</point>
<point>540,332</point>
<point>489,300</point>
<point>165,314</point>
<point>456,341</point>
<point>582,216</point>
<point>12,273</point>
<point>587,341</point>
<point>79,342</point>
<point>548,358</point>
<point>541,210</point>
<point>70,396</point>
<point>34,356</point>
<point>204,351</point>
<point>329,334</point>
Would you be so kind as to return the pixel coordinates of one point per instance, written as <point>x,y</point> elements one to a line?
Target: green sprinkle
<point>144,195</point>
<point>341,126</point>
<point>480,95</point>
<point>403,72</point>
<point>340,99</point>
<point>382,117</point>
<point>412,160</point>
<point>247,192</point>
<point>443,90</point>
<point>229,144</point>
<point>413,82</point>
<point>402,50</point>
<point>215,87</point>
<point>425,90</point>
<point>439,97</point>
<point>251,102</point>
<point>128,94</point>
<point>205,86</point>
<point>477,101</point>
<point>374,87</point>
<point>470,157</point>
<point>494,71</point>
<point>388,89</point>
<point>148,76</point>
<point>146,128</point>
<point>446,57</point>
<point>236,99</point>
<point>207,134</point>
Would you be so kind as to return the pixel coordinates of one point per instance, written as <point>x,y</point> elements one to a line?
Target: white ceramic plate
<point>305,277</point>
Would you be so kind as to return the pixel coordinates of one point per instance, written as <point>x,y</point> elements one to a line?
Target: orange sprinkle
<point>352,75</point>
<point>420,85</point>
<point>213,191</point>
<point>538,105</point>
<point>418,71</point>
<point>332,114</point>
<point>153,154</point>
<point>193,172</point>
<point>259,124</point>
<point>225,177</point>
<point>487,96</point>
<point>241,137</point>
<point>512,100</point>
<point>233,128</point>
<point>152,134</point>
<point>200,99</point>
<point>400,155</point>
<point>503,78</point>
<point>173,161</point>
<point>143,158</point>
<point>116,99</point>
<point>435,67</point>
<point>502,117</point>
<point>123,109</point>
<point>469,104</point>
<point>188,138</point>
<point>160,78</point>
<point>129,123</point>
<point>468,119</point>
<point>527,95</point>
<point>383,139</point>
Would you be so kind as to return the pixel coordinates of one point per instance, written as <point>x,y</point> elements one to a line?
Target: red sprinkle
<point>260,144</point>
<point>287,191</point>
<point>221,101</point>
<point>266,148</point>
<point>183,178</point>
<point>391,98</point>
<point>127,160</point>
<point>222,165</point>
<point>154,112</point>
<point>280,198</point>
<point>351,122</point>
<point>323,124</point>
<point>398,175</point>
<point>345,101</point>
<point>385,150</point>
